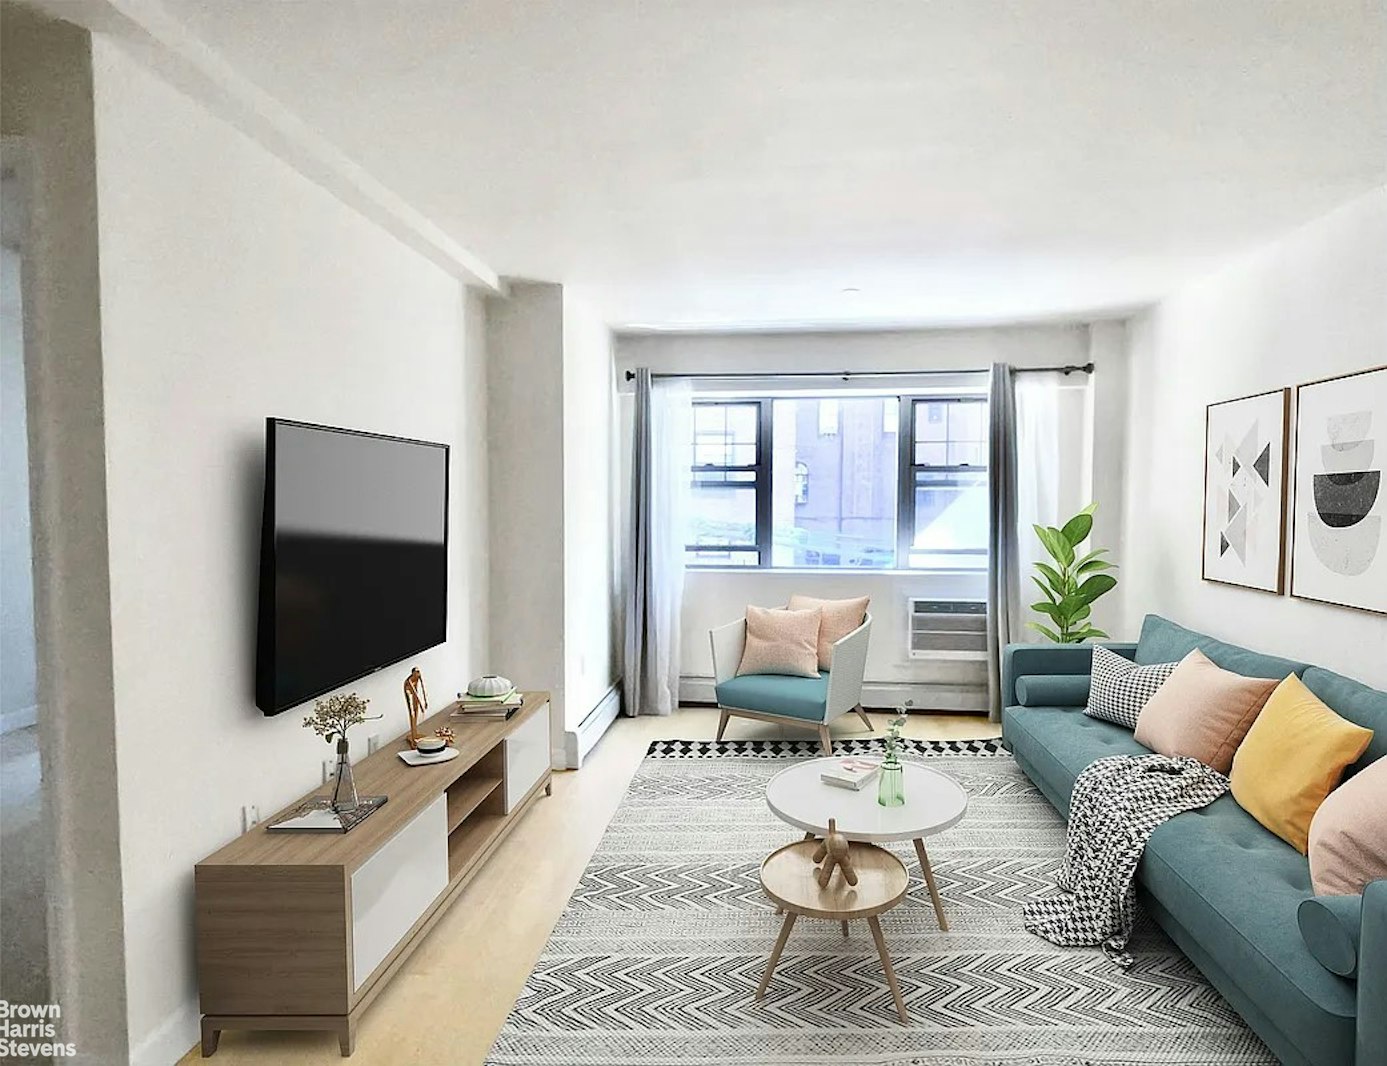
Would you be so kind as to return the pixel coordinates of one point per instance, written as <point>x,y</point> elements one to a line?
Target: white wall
<point>1311,305</point>
<point>590,546</point>
<point>232,289</point>
<point>525,443</point>
<point>714,597</point>
<point>18,676</point>
<point>46,103</point>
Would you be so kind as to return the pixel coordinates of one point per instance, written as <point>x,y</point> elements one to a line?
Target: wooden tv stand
<point>303,930</point>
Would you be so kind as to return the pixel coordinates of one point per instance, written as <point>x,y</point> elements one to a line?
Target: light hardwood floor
<point>452,996</point>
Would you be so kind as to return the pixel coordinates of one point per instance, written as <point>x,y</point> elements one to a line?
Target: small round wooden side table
<point>789,878</point>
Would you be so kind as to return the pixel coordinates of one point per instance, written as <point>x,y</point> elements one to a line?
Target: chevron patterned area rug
<point>658,954</point>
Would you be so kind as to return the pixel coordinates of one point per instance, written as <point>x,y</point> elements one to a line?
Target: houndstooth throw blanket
<point>1116,805</point>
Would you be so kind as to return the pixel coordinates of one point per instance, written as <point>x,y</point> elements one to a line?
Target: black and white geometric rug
<point>658,954</point>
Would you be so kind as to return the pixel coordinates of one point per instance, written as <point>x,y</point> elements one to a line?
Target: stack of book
<point>849,773</point>
<point>502,706</point>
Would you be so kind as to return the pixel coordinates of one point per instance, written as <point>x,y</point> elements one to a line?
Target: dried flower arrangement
<point>332,717</point>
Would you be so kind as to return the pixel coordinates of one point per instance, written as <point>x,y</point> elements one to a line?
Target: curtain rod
<point>849,375</point>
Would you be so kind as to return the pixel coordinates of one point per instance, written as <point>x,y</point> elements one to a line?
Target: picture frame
<point>1246,455</point>
<point>1339,514</point>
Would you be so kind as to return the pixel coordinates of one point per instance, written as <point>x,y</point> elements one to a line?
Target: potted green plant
<point>1073,583</point>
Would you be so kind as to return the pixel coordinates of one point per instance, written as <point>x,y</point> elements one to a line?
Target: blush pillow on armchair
<point>840,617</point>
<point>1202,711</point>
<point>781,642</point>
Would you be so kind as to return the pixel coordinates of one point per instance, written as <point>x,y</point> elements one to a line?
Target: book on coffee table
<point>850,772</point>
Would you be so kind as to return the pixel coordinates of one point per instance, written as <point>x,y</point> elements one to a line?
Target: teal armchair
<point>809,702</point>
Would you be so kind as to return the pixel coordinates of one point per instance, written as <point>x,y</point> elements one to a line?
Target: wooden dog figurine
<point>833,852</point>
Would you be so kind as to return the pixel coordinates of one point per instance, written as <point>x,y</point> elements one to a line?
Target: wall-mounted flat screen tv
<point>353,558</point>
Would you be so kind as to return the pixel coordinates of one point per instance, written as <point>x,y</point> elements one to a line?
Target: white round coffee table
<point>933,803</point>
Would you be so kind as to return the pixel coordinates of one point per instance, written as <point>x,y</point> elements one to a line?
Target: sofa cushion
<point>1236,887</point>
<point>1358,703</point>
<point>1163,641</point>
<point>1202,711</point>
<point>790,697</point>
<point>1052,690</point>
<point>1330,926</point>
<point>1060,742</point>
<point>1120,688</point>
<point>1348,837</point>
<point>1291,759</point>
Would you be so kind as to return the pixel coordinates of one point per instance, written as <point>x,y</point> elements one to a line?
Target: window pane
<point>932,454</point>
<point>950,520</point>
<point>725,434</point>
<point>834,493</point>
<point>722,514</point>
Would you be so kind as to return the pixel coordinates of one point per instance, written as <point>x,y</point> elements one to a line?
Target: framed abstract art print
<point>1339,546</point>
<point>1245,490</point>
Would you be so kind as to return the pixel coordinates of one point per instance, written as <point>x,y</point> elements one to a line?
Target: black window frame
<point>907,407</point>
<point>906,483</point>
<point>761,483</point>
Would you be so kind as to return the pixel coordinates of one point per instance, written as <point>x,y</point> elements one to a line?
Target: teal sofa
<point>1225,889</point>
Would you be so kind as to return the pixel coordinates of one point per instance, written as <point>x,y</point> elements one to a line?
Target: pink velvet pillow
<point>1202,711</point>
<point>781,642</point>
<point>840,618</point>
<point>1348,835</point>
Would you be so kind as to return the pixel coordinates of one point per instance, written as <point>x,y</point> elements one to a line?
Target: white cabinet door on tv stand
<point>527,757</point>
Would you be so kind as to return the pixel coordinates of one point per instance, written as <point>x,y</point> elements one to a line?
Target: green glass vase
<point>891,784</point>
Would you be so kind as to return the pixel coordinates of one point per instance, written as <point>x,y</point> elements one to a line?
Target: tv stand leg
<point>346,1038</point>
<point>210,1039</point>
<point>549,788</point>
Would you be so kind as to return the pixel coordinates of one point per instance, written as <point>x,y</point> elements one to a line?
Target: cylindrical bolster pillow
<point>1052,690</point>
<point>1330,927</point>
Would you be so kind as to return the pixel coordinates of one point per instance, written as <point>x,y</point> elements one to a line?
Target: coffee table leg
<point>928,871</point>
<point>886,965</point>
<point>775,953</point>
<point>845,930</point>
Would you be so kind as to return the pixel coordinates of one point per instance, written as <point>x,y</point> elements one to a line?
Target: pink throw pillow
<point>1348,835</point>
<point>840,618</point>
<point>1202,711</point>
<point>781,642</point>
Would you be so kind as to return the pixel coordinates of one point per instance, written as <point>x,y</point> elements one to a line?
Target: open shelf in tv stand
<point>338,914</point>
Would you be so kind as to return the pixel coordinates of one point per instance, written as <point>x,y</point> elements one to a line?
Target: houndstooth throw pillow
<point>1120,688</point>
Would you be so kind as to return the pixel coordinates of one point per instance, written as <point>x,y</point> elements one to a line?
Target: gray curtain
<point>662,447</point>
<point>640,577</point>
<point>1003,576</point>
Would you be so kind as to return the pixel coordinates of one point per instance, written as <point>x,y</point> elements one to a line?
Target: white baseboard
<point>179,1033</point>
<point>885,695</point>
<point>18,719</point>
<point>578,742</point>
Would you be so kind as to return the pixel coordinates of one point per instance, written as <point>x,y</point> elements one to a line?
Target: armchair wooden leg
<point>825,740</point>
<point>722,723</point>
<point>865,720</point>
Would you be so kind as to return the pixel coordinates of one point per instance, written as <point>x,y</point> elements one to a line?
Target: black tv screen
<point>353,558</point>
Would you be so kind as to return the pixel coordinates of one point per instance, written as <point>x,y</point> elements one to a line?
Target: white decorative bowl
<point>489,685</point>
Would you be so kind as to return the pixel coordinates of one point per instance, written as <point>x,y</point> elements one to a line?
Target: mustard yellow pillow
<point>1292,758</point>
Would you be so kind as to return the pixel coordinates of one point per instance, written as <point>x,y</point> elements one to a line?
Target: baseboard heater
<point>578,742</point>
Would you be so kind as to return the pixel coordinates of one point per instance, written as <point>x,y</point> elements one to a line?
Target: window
<point>944,504</point>
<point>854,482</point>
<point>731,485</point>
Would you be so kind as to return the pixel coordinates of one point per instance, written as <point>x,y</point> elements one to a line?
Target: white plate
<point>413,758</point>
